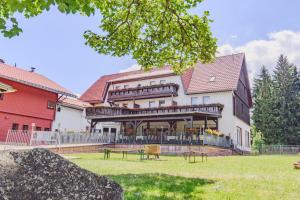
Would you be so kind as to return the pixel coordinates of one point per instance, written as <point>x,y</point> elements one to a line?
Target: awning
<point>4,88</point>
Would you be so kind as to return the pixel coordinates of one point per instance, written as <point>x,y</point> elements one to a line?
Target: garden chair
<point>152,150</point>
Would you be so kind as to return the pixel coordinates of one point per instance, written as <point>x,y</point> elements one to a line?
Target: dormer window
<point>126,86</point>
<point>212,79</point>
<point>117,87</point>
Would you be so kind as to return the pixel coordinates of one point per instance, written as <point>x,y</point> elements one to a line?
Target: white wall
<point>245,127</point>
<point>70,120</point>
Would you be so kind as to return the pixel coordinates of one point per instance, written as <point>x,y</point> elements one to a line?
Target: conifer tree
<point>262,112</point>
<point>286,102</point>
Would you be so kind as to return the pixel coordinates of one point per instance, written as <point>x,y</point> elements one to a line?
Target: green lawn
<point>235,177</point>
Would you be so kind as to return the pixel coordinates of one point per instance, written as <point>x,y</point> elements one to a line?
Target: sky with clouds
<point>53,42</point>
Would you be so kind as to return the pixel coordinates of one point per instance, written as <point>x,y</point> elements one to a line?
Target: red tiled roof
<point>32,79</point>
<point>75,102</point>
<point>96,93</point>
<point>225,69</point>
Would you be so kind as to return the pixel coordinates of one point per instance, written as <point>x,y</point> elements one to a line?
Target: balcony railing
<point>145,92</point>
<point>117,111</point>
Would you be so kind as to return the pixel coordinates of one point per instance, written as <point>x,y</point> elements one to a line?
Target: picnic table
<point>124,151</point>
<point>191,153</point>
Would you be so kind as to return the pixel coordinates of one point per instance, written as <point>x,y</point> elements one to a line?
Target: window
<point>139,85</point>
<point>117,87</point>
<point>126,86</point>
<point>162,81</point>
<point>194,101</point>
<point>51,105</point>
<point>113,130</point>
<point>15,126</point>
<point>151,104</point>
<point>25,127</point>
<point>46,129</point>
<point>105,130</point>
<point>1,96</point>
<point>58,109</point>
<point>125,105</point>
<point>247,138</point>
<point>242,108</point>
<point>206,99</point>
<point>212,79</point>
<point>239,136</point>
<point>38,128</point>
<point>161,103</point>
<point>152,82</point>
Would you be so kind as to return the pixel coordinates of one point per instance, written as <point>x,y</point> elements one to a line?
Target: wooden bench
<point>189,154</point>
<point>124,151</point>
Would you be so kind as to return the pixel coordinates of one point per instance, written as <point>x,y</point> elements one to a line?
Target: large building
<point>32,103</point>
<point>162,107</point>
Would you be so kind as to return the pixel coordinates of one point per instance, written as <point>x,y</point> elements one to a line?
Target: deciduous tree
<point>154,32</point>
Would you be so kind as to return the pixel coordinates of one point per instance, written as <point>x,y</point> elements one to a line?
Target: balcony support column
<point>205,123</point>
<point>217,123</point>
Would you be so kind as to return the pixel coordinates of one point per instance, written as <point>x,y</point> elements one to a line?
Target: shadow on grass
<point>160,186</point>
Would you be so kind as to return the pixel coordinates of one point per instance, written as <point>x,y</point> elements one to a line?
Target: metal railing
<point>38,138</point>
<point>279,149</point>
<point>179,138</point>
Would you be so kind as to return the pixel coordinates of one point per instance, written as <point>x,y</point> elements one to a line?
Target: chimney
<point>32,69</point>
<point>2,61</point>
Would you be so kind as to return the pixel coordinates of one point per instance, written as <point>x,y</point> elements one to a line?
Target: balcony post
<point>205,123</point>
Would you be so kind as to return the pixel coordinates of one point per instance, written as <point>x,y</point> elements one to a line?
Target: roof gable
<point>221,75</point>
<point>225,71</point>
<point>31,79</point>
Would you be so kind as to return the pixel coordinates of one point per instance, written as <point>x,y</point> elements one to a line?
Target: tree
<point>287,105</point>
<point>263,116</point>
<point>154,32</point>
<point>257,139</point>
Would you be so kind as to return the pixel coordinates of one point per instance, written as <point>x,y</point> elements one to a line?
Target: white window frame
<point>206,97</point>
<point>159,103</point>
<point>162,81</point>
<point>152,103</point>
<point>239,136</point>
<point>194,103</point>
<point>152,83</point>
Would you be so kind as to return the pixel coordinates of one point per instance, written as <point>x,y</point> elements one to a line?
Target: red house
<point>31,104</point>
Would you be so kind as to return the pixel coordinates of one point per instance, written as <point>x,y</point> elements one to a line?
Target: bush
<point>257,139</point>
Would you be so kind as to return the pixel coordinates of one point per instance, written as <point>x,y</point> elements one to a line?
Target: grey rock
<point>39,174</point>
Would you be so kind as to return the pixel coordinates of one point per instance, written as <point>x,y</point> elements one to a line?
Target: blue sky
<point>53,42</point>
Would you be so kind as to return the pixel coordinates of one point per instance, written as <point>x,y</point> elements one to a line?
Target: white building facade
<point>70,116</point>
<point>162,107</point>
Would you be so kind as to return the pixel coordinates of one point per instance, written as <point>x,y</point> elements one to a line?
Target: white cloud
<point>132,68</point>
<point>261,52</point>
<point>266,52</point>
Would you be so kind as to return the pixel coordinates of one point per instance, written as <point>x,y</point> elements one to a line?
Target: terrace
<point>137,124</point>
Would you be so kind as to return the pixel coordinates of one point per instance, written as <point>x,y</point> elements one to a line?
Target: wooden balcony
<point>109,112</point>
<point>145,92</point>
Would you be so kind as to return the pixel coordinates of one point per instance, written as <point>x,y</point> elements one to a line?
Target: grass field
<point>235,177</point>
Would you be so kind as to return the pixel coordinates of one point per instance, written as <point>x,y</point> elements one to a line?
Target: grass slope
<point>235,177</point>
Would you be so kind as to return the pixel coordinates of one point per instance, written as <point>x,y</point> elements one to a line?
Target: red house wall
<point>25,106</point>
